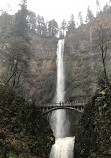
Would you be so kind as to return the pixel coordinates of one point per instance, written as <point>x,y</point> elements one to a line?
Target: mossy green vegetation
<point>24,132</point>
<point>93,138</point>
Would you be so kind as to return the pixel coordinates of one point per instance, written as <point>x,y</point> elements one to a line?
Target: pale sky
<point>54,9</point>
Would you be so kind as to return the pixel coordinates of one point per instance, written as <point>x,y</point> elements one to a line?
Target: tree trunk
<point>105,73</point>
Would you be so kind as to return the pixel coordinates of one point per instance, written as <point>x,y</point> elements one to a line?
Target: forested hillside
<point>93,137</point>
<point>24,132</point>
<point>28,53</point>
<point>26,60</point>
<point>87,52</point>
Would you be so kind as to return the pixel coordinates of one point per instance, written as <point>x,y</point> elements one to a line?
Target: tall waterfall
<point>60,72</point>
<point>63,147</point>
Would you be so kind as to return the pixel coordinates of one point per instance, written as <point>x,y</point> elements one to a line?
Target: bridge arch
<point>61,107</point>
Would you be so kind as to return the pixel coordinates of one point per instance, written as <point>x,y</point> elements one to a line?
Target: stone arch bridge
<point>47,108</point>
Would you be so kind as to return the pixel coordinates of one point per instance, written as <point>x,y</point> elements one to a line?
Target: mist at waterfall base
<point>64,145</point>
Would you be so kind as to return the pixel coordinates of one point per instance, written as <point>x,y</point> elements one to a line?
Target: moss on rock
<point>24,132</point>
<point>93,138</point>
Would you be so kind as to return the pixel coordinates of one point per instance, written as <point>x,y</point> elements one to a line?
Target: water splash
<point>63,148</point>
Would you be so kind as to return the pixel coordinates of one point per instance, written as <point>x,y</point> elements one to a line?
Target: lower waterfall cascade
<point>63,148</point>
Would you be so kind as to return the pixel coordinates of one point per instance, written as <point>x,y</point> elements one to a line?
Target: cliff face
<point>78,64</point>
<point>43,68</point>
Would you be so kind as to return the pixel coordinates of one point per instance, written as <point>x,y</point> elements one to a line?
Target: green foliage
<point>100,77</point>
<point>24,132</point>
<point>94,130</point>
<point>16,46</point>
<point>90,16</point>
<point>80,18</point>
<point>41,26</point>
<point>63,27</point>
<point>52,28</point>
<point>12,155</point>
<point>71,26</point>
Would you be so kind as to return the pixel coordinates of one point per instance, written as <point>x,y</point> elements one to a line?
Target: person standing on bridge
<point>61,103</point>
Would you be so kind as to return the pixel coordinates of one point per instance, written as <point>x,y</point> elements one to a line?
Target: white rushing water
<point>60,114</point>
<point>63,147</point>
<point>60,72</point>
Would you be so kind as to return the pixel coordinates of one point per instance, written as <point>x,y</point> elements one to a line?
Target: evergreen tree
<point>98,6</point>
<point>21,23</point>
<point>18,52</point>
<point>32,21</point>
<point>101,41</point>
<point>41,26</point>
<point>90,16</point>
<point>106,8</point>
<point>80,18</point>
<point>52,28</point>
<point>71,25</point>
<point>63,27</point>
<point>6,23</point>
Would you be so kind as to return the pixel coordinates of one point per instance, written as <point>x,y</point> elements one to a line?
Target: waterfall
<point>60,72</point>
<point>60,114</point>
<point>63,147</point>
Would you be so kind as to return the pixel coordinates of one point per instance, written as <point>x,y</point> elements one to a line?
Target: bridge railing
<point>62,104</point>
